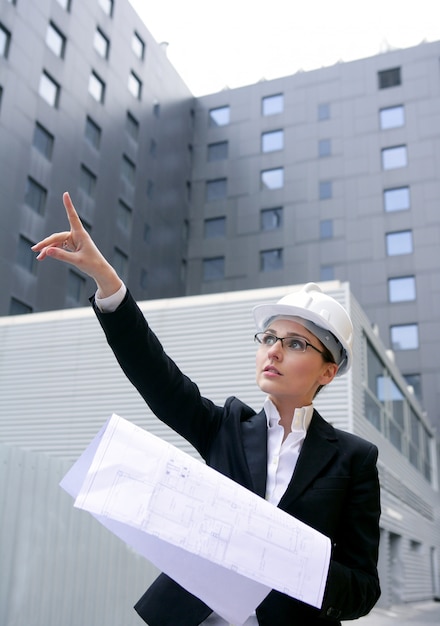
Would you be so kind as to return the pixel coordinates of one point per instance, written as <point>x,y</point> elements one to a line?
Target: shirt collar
<point>301,417</point>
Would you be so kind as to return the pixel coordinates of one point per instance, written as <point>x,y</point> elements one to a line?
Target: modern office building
<point>89,103</point>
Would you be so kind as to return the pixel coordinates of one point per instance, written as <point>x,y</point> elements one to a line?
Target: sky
<point>229,43</point>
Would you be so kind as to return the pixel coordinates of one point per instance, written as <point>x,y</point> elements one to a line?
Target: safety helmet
<point>319,313</point>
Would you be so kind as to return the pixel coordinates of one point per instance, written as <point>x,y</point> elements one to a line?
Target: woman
<point>286,453</point>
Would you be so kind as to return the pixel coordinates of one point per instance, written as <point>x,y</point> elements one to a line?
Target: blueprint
<point>198,526</point>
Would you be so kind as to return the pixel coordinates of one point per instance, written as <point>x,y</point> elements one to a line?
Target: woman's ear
<point>328,373</point>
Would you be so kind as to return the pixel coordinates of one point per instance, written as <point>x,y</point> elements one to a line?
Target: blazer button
<point>333,613</point>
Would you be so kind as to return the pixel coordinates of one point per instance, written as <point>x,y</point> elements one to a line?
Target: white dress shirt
<point>281,455</point>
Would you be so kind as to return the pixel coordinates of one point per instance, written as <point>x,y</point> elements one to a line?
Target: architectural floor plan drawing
<point>131,479</point>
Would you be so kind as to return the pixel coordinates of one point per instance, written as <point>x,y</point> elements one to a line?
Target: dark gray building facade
<point>328,174</point>
<point>89,104</point>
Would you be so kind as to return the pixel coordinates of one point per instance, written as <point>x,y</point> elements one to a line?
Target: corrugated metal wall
<point>59,382</point>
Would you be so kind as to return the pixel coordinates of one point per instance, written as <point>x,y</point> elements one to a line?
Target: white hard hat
<point>319,313</point>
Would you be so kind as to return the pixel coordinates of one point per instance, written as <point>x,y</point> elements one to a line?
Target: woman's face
<point>291,378</point>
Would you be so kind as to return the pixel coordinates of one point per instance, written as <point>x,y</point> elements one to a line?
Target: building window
<point>55,40</point>
<point>19,308</point>
<point>399,243</point>
<point>128,170</point>
<point>124,216</point>
<point>5,41</point>
<point>101,44</point>
<point>93,133</point>
<point>156,110</point>
<point>107,7</point>
<point>325,189</point>
<point>218,151</point>
<point>153,148</point>
<point>87,181</point>
<point>65,4</point>
<point>272,141</point>
<point>326,229</point>
<point>393,158</point>
<point>271,219</point>
<point>132,126</point>
<point>138,46</point>
<point>216,189</point>
<point>323,111</point>
<point>271,260</point>
<point>214,268</point>
<point>324,147</point>
<point>389,78</point>
<point>272,179</point>
<point>219,116</point>
<point>326,272</point>
<point>215,227</point>
<point>404,337</point>
<point>43,141</point>
<point>402,289</point>
<point>397,199</point>
<point>96,87</point>
<point>134,85</point>
<point>75,287</point>
<point>392,117</point>
<point>271,105</point>
<point>49,90</point>
<point>120,263</point>
<point>25,256</point>
<point>35,196</point>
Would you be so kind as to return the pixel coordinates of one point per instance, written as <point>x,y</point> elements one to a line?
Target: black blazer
<point>334,487</point>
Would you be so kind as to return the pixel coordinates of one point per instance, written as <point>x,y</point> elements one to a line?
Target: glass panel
<point>101,43</point>
<point>128,170</point>
<point>5,37</point>
<point>48,90</point>
<point>326,229</point>
<point>405,337</point>
<point>25,257</point>
<point>18,308</point>
<point>399,243</point>
<point>325,190</point>
<point>392,117</point>
<point>216,189</point>
<point>393,158</point>
<point>271,219</point>
<point>107,6</point>
<point>272,179</point>
<point>396,199</point>
<point>372,411</point>
<point>55,40</point>
<point>43,141</point>
<point>35,196</point>
<point>389,78</point>
<point>124,216</point>
<point>323,111</point>
<point>213,269</point>
<point>271,260</point>
<point>326,272</point>
<point>219,116</point>
<point>272,141</point>
<point>93,133</point>
<point>215,227</point>
<point>402,289</point>
<point>134,85</point>
<point>96,87</point>
<point>324,147</point>
<point>138,46</point>
<point>87,181</point>
<point>218,151</point>
<point>272,104</point>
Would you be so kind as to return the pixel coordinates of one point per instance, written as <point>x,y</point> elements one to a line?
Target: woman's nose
<point>276,349</point>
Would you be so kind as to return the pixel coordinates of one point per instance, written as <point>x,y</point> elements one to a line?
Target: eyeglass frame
<point>302,340</point>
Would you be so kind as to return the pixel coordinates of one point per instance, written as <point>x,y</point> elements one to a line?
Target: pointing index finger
<point>72,215</point>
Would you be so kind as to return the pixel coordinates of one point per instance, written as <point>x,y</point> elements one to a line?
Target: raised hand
<point>76,247</point>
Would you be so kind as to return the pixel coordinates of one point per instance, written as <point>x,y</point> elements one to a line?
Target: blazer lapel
<point>317,451</point>
<point>255,448</point>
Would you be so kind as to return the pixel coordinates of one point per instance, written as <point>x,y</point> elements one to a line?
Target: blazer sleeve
<point>353,584</point>
<point>172,396</point>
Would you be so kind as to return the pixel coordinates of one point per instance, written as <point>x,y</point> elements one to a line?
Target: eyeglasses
<point>292,343</point>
